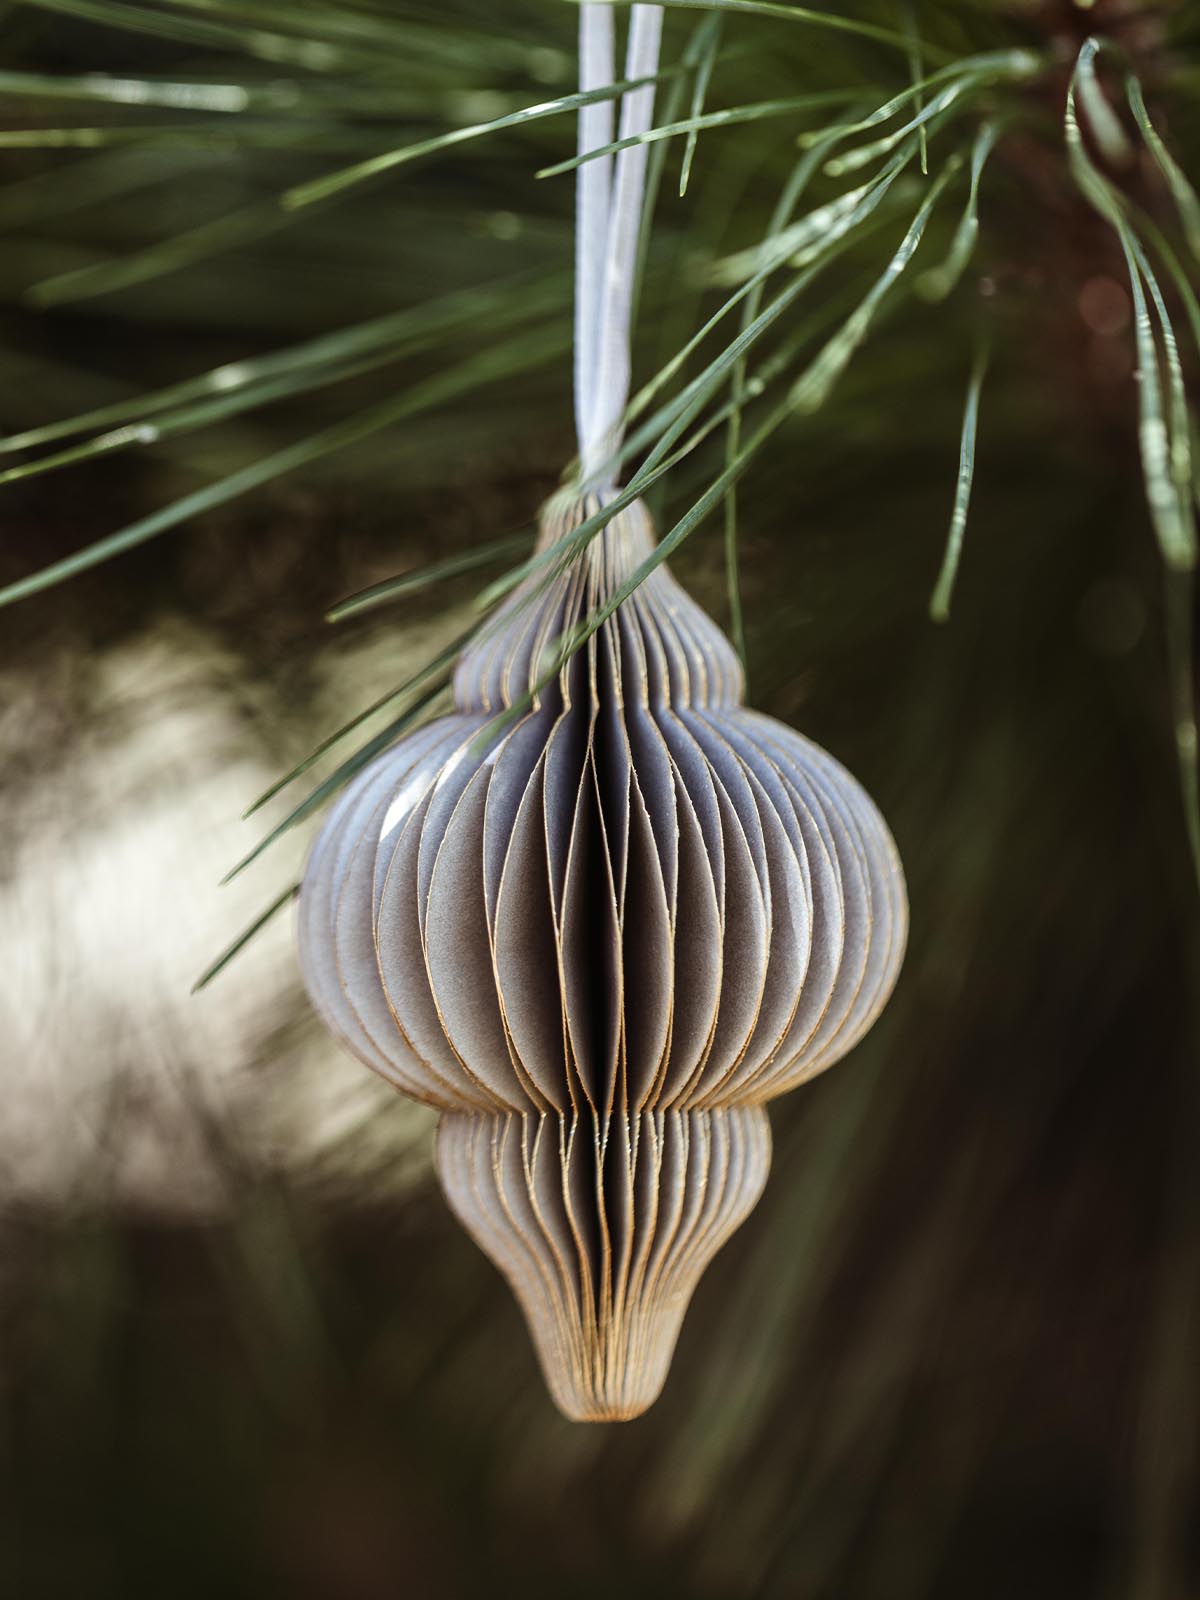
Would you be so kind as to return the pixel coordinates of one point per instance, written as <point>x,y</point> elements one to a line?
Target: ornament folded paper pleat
<point>598,936</point>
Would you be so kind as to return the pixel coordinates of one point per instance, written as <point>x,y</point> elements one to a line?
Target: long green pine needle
<point>1174,528</point>
<point>940,281</point>
<point>337,183</point>
<point>1182,192</point>
<point>939,605</point>
<point>410,583</point>
<point>709,42</point>
<point>754,112</point>
<point>803,15</point>
<point>244,938</point>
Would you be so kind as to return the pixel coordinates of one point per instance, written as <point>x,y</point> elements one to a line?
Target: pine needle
<point>223,98</point>
<point>800,14</point>
<point>862,155</point>
<point>244,938</point>
<point>939,605</point>
<point>754,112</point>
<point>1102,119</point>
<point>940,281</point>
<point>989,67</point>
<point>336,183</point>
<point>917,71</point>
<point>1182,192</point>
<point>1165,436</point>
<point>709,48</point>
<point>1171,513</point>
<point>410,583</point>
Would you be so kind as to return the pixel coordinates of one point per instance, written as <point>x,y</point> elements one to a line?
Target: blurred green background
<point>245,1350</point>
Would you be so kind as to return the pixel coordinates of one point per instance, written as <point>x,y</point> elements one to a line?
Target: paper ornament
<point>598,937</point>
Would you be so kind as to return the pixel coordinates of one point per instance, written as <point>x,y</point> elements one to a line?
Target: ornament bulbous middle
<point>635,903</point>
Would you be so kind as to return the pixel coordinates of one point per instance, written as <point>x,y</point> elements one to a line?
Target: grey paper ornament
<point>598,936</point>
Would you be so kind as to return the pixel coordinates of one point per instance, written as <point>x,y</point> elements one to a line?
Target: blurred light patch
<point>117,1082</point>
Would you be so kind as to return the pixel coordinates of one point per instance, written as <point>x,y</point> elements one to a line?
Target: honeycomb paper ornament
<point>599,916</point>
<point>598,939</point>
